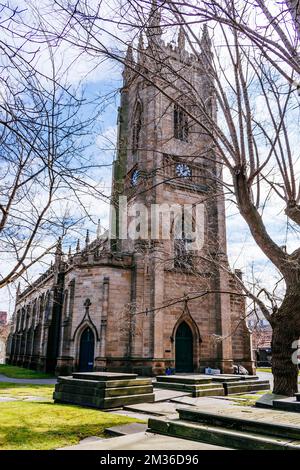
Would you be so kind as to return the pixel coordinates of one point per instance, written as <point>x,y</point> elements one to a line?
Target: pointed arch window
<point>136,129</point>
<point>181,124</point>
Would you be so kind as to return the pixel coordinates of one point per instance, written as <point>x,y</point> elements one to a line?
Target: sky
<point>99,79</point>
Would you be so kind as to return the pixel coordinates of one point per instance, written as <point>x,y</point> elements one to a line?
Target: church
<point>146,304</point>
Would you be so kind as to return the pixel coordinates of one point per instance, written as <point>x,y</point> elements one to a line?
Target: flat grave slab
<point>103,376</point>
<point>266,400</point>
<point>156,409</point>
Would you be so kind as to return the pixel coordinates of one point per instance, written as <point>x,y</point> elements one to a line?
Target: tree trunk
<point>286,332</point>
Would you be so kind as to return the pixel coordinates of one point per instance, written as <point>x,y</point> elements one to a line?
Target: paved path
<point>3,378</point>
<point>144,441</point>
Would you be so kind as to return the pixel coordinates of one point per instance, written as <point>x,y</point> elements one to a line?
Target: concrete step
<point>220,436</point>
<point>273,429</point>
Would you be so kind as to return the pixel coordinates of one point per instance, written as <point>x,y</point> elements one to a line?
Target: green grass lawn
<point>248,399</point>
<point>44,426</point>
<point>22,391</point>
<point>21,373</point>
<point>264,369</point>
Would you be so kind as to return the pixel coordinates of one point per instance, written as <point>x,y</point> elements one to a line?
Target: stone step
<point>272,429</point>
<point>103,376</point>
<point>204,390</point>
<point>249,382</point>
<point>104,392</point>
<point>101,384</point>
<point>219,436</point>
<point>184,379</point>
<point>187,387</point>
<point>99,402</point>
<point>233,378</point>
<point>244,387</point>
<point>209,392</point>
<point>287,404</point>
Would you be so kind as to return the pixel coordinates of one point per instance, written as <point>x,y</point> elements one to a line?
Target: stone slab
<point>102,392</point>
<point>245,387</point>
<point>88,440</point>
<point>144,441</point>
<point>240,423</point>
<point>125,429</point>
<point>156,409</point>
<point>220,436</point>
<point>233,377</point>
<point>163,394</point>
<point>103,376</point>
<point>287,404</point>
<point>102,403</point>
<point>185,379</point>
<point>266,400</point>
<point>101,384</point>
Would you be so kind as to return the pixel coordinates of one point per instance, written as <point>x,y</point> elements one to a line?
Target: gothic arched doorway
<point>86,351</point>
<point>184,348</point>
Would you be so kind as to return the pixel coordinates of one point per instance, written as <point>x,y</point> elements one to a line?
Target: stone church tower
<point>149,302</point>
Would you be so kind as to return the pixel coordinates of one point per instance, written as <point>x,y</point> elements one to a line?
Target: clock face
<point>183,170</point>
<point>134,177</point>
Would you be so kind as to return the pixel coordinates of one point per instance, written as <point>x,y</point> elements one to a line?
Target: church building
<point>148,303</point>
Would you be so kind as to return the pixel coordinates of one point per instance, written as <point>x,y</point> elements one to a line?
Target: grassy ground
<point>248,399</point>
<point>21,373</point>
<point>22,391</point>
<point>44,426</point>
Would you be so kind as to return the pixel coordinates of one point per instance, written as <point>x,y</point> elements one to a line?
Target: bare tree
<point>46,167</point>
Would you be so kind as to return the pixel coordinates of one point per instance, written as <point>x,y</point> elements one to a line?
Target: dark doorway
<point>86,353</point>
<point>184,349</point>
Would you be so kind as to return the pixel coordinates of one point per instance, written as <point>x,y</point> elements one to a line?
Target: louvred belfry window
<point>136,130</point>
<point>181,125</point>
